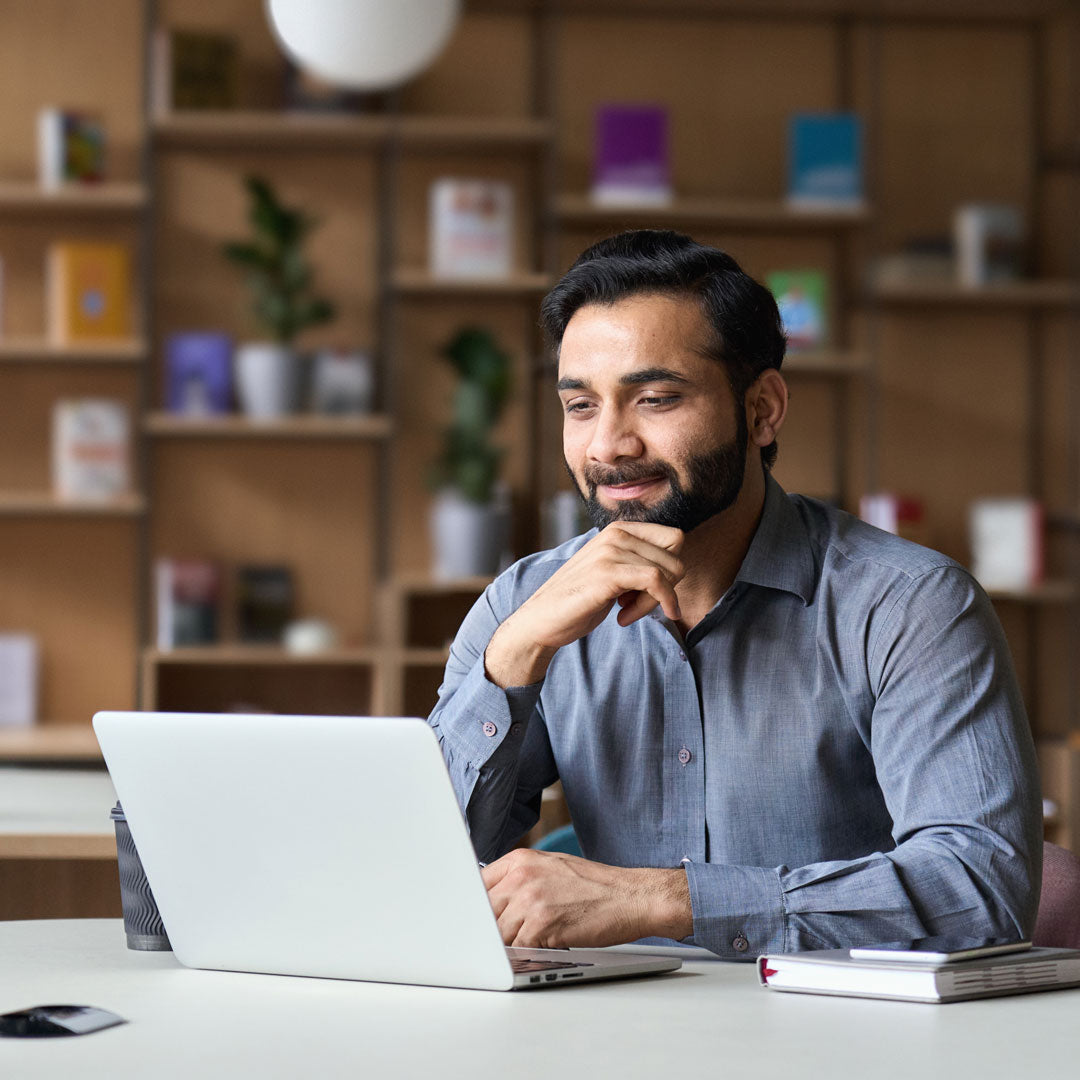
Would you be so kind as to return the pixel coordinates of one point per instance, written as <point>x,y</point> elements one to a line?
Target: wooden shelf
<point>423,283</point>
<point>45,504</point>
<point>1049,592</point>
<point>422,585</point>
<point>719,213</point>
<point>50,743</point>
<point>105,198</point>
<point>1062,157</point>
<point>836,364</point>
<point>1047,293</point>
<point>299,130</point>
<point>39,350</point>
<point>233,655</point>
<point>303,426</point>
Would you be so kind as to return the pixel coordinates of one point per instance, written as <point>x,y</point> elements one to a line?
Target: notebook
<point>323,846</point>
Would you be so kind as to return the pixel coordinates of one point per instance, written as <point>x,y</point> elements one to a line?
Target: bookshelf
<point>929,388</point>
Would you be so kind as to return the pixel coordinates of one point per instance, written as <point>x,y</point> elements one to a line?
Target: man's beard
<point>714,480</point>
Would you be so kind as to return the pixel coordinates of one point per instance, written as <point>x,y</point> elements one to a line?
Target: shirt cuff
<point>489,719</point>
<point>738,911</point>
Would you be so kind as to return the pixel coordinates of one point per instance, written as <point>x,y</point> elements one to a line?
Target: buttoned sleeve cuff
<point>738,911</point>
<point>488,723</point>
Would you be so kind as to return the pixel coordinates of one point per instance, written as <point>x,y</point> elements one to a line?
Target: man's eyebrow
<point>631,378</point>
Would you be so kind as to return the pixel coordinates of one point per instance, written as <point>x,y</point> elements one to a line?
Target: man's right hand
<point>630,562</point>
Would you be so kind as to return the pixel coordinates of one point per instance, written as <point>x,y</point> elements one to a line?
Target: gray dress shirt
<point>837,753</point>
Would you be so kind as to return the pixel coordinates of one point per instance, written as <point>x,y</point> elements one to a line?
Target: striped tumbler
<point>142,921</point>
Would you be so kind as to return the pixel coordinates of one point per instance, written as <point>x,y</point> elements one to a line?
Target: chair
<point>563,839</point>
<point>1058,920</point>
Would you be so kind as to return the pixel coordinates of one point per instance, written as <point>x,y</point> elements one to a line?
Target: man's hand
<point>546,900</point>
<point>633,563</point>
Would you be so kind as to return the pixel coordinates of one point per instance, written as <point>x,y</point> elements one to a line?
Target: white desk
<point>709,1020</point>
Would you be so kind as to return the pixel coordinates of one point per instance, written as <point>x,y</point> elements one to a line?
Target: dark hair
<point>748,336</point>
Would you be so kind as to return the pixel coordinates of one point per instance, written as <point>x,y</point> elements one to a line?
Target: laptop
<point>325,846</point>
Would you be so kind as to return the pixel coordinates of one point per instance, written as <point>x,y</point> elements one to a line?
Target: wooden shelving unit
<point>1011,295</point>
<point>73,200</point>
<point>52,743</point>
<point>42,351</point>
<point>772,214</point>
<point>310,426</point>
<point>827,363</point>
<point>1048,592</point>
<point>411,282</point>
<point>44,504</point>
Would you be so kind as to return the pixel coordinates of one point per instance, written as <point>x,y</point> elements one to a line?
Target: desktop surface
<point>710,1018</point>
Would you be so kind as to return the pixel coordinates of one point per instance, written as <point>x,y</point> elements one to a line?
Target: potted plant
<point>280,279</point>
<point>469,526</point>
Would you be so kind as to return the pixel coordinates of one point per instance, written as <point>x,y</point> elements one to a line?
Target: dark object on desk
<point>1058,921</point>
<point>142,920</point>
<point>835,971</point>
<point>48,1021</point>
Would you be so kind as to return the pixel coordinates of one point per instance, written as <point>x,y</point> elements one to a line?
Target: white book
<point>91,449</point>
<point>18,680</point>
<point>471,228</point>
<point>1007,546</point>
<point>835,971</point>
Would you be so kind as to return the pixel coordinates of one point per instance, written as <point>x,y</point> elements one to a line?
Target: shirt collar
<point>780,555</point>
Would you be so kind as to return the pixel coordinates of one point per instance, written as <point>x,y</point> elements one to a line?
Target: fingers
<point>661,536</point>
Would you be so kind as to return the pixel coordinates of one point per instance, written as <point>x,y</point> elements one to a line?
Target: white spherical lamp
<point>363,44</point>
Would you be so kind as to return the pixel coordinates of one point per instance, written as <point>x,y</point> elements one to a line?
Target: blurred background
<point>273,402</point>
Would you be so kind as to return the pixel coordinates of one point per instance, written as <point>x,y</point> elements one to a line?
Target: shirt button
<point>682,656</point>
<point>489,728</point>
<point>740,944</point>
<point>515,729</point>
<point>684,756</point>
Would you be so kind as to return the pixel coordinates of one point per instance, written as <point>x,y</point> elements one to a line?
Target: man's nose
<point>614,437</point>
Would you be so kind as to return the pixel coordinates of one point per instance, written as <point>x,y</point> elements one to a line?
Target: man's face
<point>651,430</point>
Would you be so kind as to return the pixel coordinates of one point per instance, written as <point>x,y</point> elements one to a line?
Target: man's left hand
<point>547,900</point>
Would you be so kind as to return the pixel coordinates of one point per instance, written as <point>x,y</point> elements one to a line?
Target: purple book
<point>631,163</point>
<point>198,370</point>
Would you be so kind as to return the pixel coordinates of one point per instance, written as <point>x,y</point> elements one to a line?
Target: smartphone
<point>939,950</point>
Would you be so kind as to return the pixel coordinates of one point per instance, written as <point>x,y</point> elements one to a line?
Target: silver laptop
<point>319,845</point>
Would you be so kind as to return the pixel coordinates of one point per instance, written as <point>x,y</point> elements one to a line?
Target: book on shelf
<point>188,593</point>
<point>18,680</point>
<point>194,69</point>
<point>71,148</point>
<point>803,299</point>
<point>198,373</point>
<point>902,515</point>
<point>631,164</point>
<point>989,241</point>
<point>89,288</point>
<point>471,228</point>
<point>825,170</point>
<point>1007,542</point>
<point>343,382</point>
<point>837,972</point>
<point>91,449</point>
<point>264,603</point>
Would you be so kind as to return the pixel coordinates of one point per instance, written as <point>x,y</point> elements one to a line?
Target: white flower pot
<point>467,538</point>
<point>267,380</point>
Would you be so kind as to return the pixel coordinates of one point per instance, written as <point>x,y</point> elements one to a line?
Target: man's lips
<point>634,490</point>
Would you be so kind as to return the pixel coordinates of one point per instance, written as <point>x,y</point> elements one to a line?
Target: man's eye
<point>578,406</point>
<point>657,400</point>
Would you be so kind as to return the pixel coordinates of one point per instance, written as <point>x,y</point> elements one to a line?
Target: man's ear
<point>766,407</point>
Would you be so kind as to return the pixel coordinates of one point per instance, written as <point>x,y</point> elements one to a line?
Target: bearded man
<point>777,728</point>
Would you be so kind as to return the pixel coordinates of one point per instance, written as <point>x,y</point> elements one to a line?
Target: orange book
<point>90,295</point>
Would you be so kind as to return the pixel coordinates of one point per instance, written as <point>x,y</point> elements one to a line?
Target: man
<point>777,728</point>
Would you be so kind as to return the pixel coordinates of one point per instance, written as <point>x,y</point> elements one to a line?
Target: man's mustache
<point>596,476</point>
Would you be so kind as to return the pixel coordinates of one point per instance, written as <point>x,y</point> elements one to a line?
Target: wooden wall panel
<point>730,85</point>
<point>71,583</point>
<point>58,61</point>
<point>307,505</point>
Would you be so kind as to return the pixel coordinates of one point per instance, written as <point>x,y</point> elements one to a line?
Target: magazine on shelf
<point>803,299</point>
<point>188,602</point>
<point>1007,542</point>
<point>989,241</point>
<point>91,455</point>
<point>198,373</point>
<point>18,679</point>
<point>71,148</point>
<point>471,228</point>
<point>89,289</point>
<point>264,603</point>
<point>194,69</point>
<point>631,165</point>
<point>825,169</point>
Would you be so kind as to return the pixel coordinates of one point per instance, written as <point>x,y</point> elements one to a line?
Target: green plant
<point>279,275</point>
<point>469,462</point>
